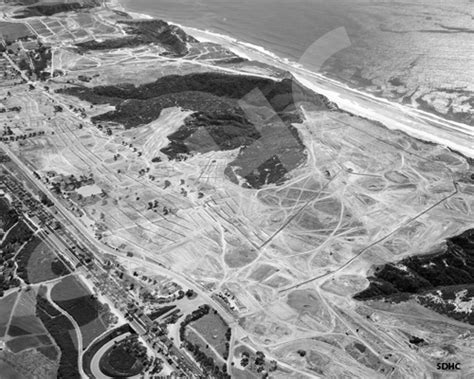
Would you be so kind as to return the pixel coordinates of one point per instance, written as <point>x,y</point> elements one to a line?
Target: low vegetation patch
<point>63,334</point>
<point>37,263</point>
<point>50,352</point>
<point>200,349</point>
<point>215,331</point>
<point>91,315</point>
<point>27,342</point>
<point>24,321</point>
<point>216,102</point>
<point>12,32</point>
<point>255,362</point>
<point>6,307</point>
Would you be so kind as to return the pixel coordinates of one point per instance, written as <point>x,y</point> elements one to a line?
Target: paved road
<point>95,369</point>
<point>81,233</point>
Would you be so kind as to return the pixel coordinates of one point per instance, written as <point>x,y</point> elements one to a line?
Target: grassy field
<point>196,340</point>
<point>26,364</point>
<point>213,329</point>
<point>37,263</point>
<point>50,352</point>
<point>22,343</point>
<point>63,334</point>
<point>86,310</point>
<point>24,321</point>
<point>13,31</point>
<point>6,306</point>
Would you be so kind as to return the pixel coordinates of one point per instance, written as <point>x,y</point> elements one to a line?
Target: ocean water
<point>415,51</point>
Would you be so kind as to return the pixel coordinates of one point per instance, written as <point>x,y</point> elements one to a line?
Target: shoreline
<point>415,122</point>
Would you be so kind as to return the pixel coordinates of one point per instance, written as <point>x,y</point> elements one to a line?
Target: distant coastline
<point>431,127</point>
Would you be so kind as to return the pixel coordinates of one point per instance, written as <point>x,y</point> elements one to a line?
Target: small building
<point>35,220</point>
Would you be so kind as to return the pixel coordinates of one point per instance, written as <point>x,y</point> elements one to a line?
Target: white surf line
<point>395,116</point>
<point>444,133</point>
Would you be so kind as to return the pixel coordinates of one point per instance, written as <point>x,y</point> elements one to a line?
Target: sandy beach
<point>415,122</point>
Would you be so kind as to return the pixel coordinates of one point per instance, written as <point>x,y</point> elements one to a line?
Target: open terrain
<point>233,179</point>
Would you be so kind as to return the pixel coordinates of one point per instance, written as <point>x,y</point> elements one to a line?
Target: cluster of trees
<point>17,234</point>
<point>82,111</point>
<point>127,358</point>
<point>172,317</point>
<point>228,334</point>
<point>8,215</point>
<point>195,315</point>
<point>144,33</point>
<point>108,131</point>
<point>259,363</point>
<point>152,204</point>
<point>449,265</point>
<point>143,171</point>
<point>245,359</point>
<point>133,348</point>
<point>95,346</point>
<point>207,363</point>
<point>156,366</point>
<point>49,9</point>
<point>36,61</point>
<point>71,183</point>
<point>60,328</point>
<point>161,311</point>
<point>8,279</point>
<point>15,108</point>
<point>210,368</point>
<point>84,78</point>
<point>9,133</point>
<point>45,200</point>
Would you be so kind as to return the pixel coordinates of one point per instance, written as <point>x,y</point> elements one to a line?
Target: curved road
<point>95,369</point>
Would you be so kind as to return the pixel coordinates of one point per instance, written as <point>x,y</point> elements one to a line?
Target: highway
<point>81,233</point>
<point>394,116</point>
